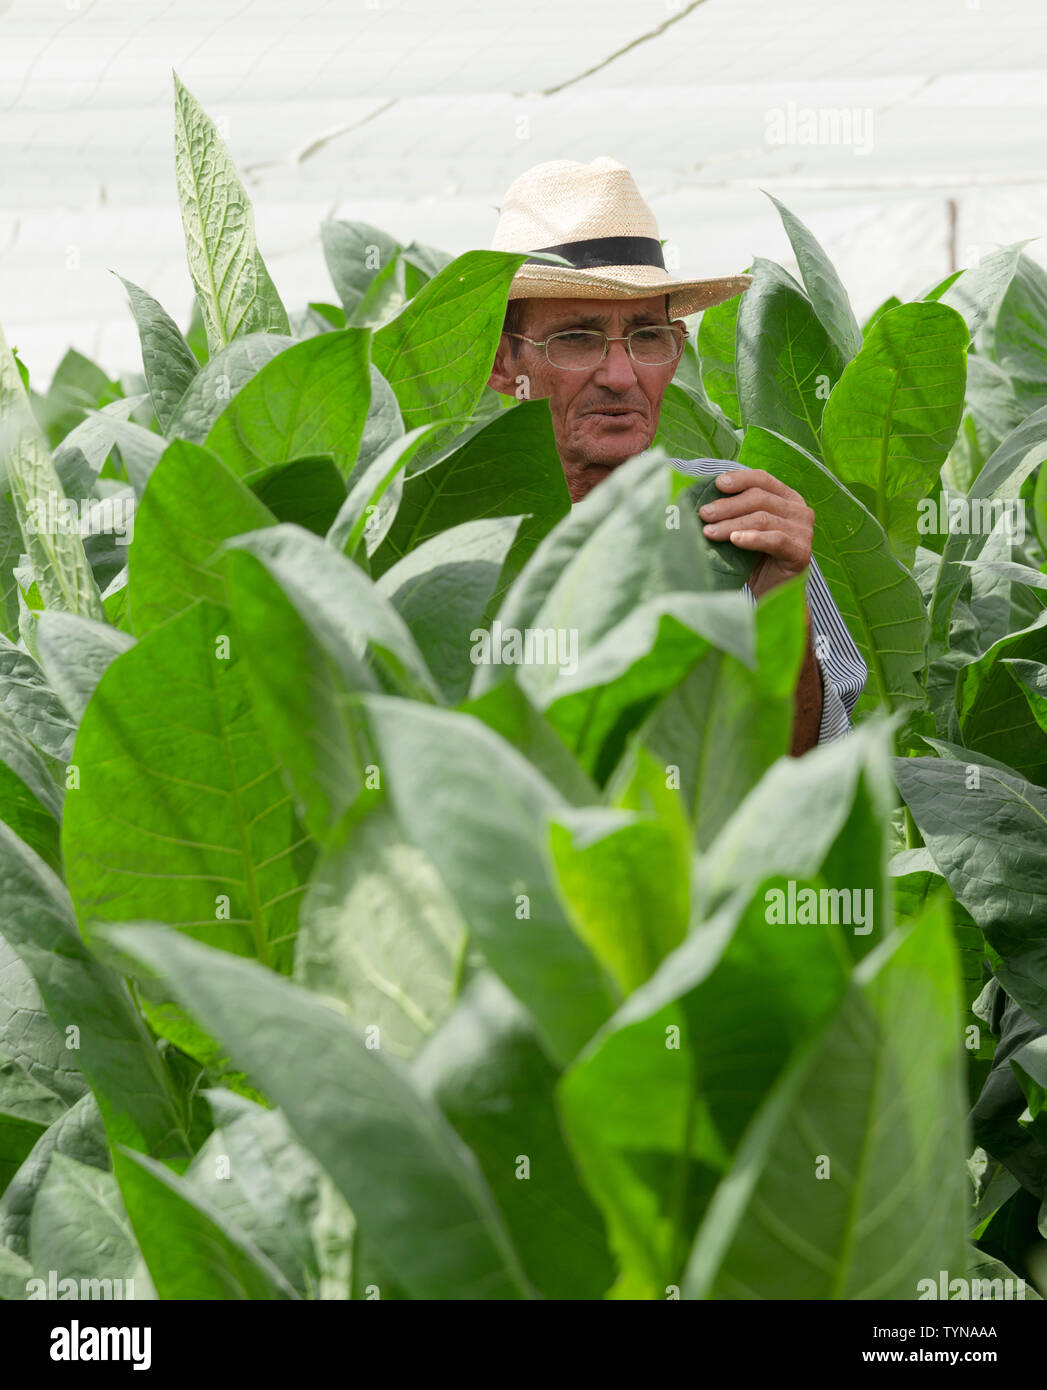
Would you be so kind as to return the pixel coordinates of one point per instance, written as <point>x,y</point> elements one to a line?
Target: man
<point>601,339</point>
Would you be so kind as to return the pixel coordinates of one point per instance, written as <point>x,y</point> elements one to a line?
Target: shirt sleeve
<point>840,663</point>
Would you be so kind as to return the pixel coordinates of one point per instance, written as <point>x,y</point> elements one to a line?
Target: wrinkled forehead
<point>549,315</point>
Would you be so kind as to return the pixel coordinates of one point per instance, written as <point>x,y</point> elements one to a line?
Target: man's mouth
<point>616,412</point>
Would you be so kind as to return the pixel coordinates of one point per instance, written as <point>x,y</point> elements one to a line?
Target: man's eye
<point>647,335</point>
<point>581,336</point>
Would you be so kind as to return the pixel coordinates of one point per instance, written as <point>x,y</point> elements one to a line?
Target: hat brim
<point>625,282</point>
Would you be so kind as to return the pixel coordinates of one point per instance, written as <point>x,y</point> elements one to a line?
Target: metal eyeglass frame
<point>607,341</point>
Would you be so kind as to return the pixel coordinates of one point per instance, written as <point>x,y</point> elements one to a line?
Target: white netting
<point>907,136</point>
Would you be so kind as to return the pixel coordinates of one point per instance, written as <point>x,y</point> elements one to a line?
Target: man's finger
<point>783,545</point>
<point>751,500</point>
<point>758,521</point>
<point>740,479</point>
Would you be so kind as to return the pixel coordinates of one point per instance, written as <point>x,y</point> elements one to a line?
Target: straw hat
<point>593,216</point>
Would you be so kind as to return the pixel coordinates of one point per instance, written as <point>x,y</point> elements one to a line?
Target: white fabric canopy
<point>908,136</point>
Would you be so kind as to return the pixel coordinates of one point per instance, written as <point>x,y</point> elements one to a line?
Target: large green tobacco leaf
<point>31,705</point>
<point>216,384</point>
<point>478,810</point>
<point>690,426</point>
<point>137,450</point>
<point>314,630</point>
<point>74,652</point>
<point>823,814</point>
<point>182,815</point>
<point>30,802</point>
<point>379,931</point>
<point>1031,679</point>
<point>996,1117</point>
<point>29,1036</point>
<point>415,1188</point>
<point>375,489</point>
<point>822,284</point>
<point>615,549</point>
<point>849,1183</point>
<point>987,831</point>
<point>233,288</point>
<point>307,491</point>
<point>341,607</point>
<point>442,589</point>
<point>611,588</point>
<point>716,354</point>
<point>786,362</point>
<point>623,672</point>
<point>192,504</point>
<point>623,862</point>
<point>995,607</point>
<point>384,297</point>
<point>15,1274</point>
<point>167,359</point>
<point>356,254</point>
<point>938,290</point>
<point>192,1250</point>
<point>688,370</point>
<point>310,399</point>
<point>79,1229</point>
<point>977,291</point>
<point>993,712</point>
<point>422,263</point>
<point>196,334</point>
<point>916,880</point>
<point>510,468</point>
<point>56,553</point>
<point>10,551</point>
<point>80,378</point>
<point>891,302</point>
<point>23,1095</point>
<point>657,1103</point>
<point>1040,506</point>
<point>104,445</point>
<point>252,1170</point>
<point>1020,333</point>
<point>991,412</point>
<point>877,597</point>
<point>78,1133</point>
<point>300,674</point>
<point>27,1108</point>
<point>384,422</point>
<point>77,385</point>
<point>1012,572</point>
<point>486,1070</point>
<point>892,417</point>
<point>995,490</point>
<point>625,880</point>
<point>438,353</point>
<point>728,720</point>
<point>507,710</point>
<point>88,1004</point>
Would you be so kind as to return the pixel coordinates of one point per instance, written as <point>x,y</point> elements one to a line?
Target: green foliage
<point>233,288</point>
<point>352,947</point>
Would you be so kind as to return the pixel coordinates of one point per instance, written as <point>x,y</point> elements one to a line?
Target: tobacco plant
<point>339,960</point>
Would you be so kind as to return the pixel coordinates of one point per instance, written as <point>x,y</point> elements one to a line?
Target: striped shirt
<point>843,671</point>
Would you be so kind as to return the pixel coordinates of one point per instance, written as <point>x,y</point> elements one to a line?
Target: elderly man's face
<point>604,415</point>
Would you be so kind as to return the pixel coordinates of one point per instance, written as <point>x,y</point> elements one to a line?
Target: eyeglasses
<point>576,349</point>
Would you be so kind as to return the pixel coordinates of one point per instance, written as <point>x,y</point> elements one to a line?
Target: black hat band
<point>607,250</point>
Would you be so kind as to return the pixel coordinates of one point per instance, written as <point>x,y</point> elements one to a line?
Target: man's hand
<point>760,513</point>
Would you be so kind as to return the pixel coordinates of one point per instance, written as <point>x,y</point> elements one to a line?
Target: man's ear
<point>502,379</point>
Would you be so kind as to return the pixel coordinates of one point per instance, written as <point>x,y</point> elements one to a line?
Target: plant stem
<point>913,838</point>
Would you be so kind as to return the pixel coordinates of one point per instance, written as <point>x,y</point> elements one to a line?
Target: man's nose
<point>616,370</point>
